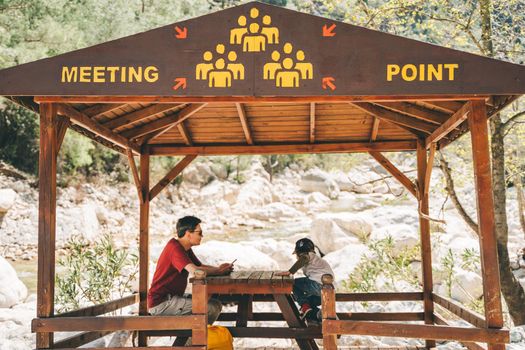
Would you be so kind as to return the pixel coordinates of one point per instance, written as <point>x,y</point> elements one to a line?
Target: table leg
<point>244,310</point>
<point>180,341</point>
<point>291,315</point>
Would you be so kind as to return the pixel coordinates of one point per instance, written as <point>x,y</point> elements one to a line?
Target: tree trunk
<point>512,290</point>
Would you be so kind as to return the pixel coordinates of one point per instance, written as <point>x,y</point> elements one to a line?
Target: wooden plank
<point>397,118</point>
<point>104,308</point>
<point>139,115</point>
<point>244,99</point>
<point>241,276</point>
<point>185,133</point>
<point>445,106</point>
<point>380,296</point>
<point>424,231</point>
<point>382,316</point>
<point>312,122</point>
<point>391,168</point>
<point>144,238</point>
<point>151,348</point>
<point>391,146</point>
<point>173,173</point>
<point>328,310</point>
<point>291,315</point>
<point>46,219</point>
<point>84,121</point>
<point>404,330</point>
<point>62,126</point>
<point>471,346</point>
<point>135,173</point>
<point>232,288</point>
<point>254,277</point>
<point>244,122</point>
<point>430,166</point>
<point>470,316</point>
<point>97,110</point>
<point>453,122</point>
<point>416,111</point>
<point>200,307</point>
<point>485,204</point>
<point>168,121</point>
<point>266,277</point>
<point>244,309</point>
<point>79,339</point>
<point>115,323</point>
<point>375,129</point>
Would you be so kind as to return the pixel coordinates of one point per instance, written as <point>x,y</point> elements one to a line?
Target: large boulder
<point>199,173</point>
<point>316,180</point>
<point>7,199</point>
<point>12,290</point>
<point>468,286</point>
<point>274,211</point>
<point>80,221</point>
<point>328,236</point>
<point>280,251</point>
<point>256,192</point>
<point>403,236</point>
<point>345,260</point>
<point>248,258</point>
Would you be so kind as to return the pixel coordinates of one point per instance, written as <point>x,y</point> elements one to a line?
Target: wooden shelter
<point>258,79</point>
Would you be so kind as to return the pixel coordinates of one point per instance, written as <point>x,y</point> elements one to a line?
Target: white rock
<point>467,286</point>
<point>345,260</point>
<point>351,224</point>
<point>316,180</point>
<point>81,221</point>
<point>280,251</point>
<point>12,290</point>
<point>343,181</point>
<point>403,236</point>
<point>248,258</point>
<point>274,211</point>
<point>328,236</point>
<point>219,170</point>
<point>7,199</point>
<point>256,192</point>
<point>198,174</point>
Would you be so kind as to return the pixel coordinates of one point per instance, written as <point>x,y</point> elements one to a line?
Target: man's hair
<point>187,223</point>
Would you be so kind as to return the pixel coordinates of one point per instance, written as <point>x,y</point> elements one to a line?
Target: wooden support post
<point>200,307</point>
<point>424,227</point>
<point>46,218</point>
<point>328,310</point>
<point>477,120</point>
<point>144,239</point>
<point>395,172</point>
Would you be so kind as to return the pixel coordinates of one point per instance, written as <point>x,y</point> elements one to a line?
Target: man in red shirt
<point>176,262</point>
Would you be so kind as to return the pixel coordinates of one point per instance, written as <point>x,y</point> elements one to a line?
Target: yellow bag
<point>219,338</point>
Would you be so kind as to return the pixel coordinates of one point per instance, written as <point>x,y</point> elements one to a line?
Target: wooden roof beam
<point>445,106</point>
<point>62,126</point>
<point>185,133</point>
<point>99,109</point>
<point>135,173</point>
<point>416,111</point>
<point>173,173</point>
<point>375,129</point>
<point>413,125</point>
<point>312,122</point>
<point>139,115</point>
<point>244,122</point>
<point>453,122</point>
<point>171,121</point>
<point>302,148</point>
<point>395,172</point>
<point>84,121</point>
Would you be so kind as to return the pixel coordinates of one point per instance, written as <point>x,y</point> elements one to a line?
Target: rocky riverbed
<point>255,222</point>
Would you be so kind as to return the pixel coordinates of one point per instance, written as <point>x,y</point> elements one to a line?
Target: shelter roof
<point>261,75</point>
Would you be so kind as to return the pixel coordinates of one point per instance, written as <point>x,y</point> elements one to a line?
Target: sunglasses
<point>197,232</point>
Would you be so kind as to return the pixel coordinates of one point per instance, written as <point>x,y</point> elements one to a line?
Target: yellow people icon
<point>237,69</point>
<point>220,77</point>
<point>270,68</point>
<point>220,48</point>
<point>254,13</point>
<point>271,33</point>
<point>287,77</point>
<point>202,69</point>
<point>253,41</point>
<point>236,34</point>
<point>287,48</point>
<point>305,68</point>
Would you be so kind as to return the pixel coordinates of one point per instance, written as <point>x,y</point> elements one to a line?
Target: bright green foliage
<point>93,274</point>
<point>385,262</point>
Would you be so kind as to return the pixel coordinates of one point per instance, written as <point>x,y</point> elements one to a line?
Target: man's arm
<point>210,270</point>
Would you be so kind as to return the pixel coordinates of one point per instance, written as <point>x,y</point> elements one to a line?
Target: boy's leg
<point>300,288</point>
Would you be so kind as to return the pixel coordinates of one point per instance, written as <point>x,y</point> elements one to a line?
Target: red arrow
<point>328,31</point>
<point>181,82</point>
<point>182,33</point>
<point>328,83</point>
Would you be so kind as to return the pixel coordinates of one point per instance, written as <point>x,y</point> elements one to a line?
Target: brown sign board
<point>261,50</point>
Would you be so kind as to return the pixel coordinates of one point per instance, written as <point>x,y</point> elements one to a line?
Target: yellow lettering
<point>123,74</point>
<point>421,72</point>
<point>405,75</point>
<point>135,74</point>
<point>99,75</point>
<point>151,74</point>
<point>112,73</point>
<point>69,74</point>
<point>451,67</point>
<point>435,73</point>
<point>85,75</point>
<point>391,70</point>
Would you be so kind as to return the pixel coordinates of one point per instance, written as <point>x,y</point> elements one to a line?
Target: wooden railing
<point>358,323</point>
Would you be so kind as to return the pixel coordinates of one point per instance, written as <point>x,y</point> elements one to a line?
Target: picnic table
<point>245,287</point>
